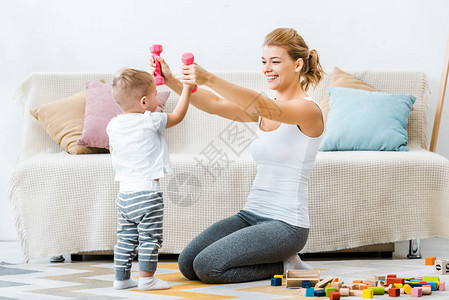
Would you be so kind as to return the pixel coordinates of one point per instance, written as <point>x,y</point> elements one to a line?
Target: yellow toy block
<point>368,293</point>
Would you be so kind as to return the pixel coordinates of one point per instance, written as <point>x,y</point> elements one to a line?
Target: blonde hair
<point>129,85</point>
<point>289,39</point>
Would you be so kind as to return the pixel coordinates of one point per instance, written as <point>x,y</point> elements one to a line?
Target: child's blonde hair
<point>130,85</point>
<point>289,39</point>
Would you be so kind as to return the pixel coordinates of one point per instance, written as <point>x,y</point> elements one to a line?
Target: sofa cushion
<point>342,79</point>
<point>367,121</point>
<point>63,120</point>
<point>100,109</point>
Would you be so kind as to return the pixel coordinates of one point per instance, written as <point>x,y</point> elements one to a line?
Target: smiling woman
<point>263,239</point>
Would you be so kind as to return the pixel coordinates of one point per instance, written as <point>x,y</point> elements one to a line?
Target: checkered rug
<point>93,280</point>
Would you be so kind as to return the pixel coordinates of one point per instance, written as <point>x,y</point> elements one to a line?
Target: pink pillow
<point>100,109</point>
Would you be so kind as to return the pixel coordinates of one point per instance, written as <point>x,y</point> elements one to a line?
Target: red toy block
<point>393,280</point>
<point>334,296</point>
<point>391,275</point>
<point>394,292</point>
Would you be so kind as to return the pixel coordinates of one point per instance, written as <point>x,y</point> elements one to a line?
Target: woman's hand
<point>165,69</point>
<point>194,74</point>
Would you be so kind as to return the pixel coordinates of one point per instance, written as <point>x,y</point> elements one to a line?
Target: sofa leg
<point>414,250</point>
<point>76,257</point>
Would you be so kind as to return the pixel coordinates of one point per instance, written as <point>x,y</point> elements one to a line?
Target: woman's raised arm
<point>205,100</point>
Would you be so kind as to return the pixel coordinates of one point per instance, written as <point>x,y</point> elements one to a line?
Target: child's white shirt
<point>139,151</point>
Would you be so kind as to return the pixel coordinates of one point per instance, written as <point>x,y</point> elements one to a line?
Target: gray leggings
<point>243,247</point>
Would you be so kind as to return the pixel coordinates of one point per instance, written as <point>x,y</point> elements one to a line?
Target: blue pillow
<point>366,121</point>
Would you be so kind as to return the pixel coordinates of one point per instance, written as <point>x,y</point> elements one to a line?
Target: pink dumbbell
<point>156,51</point>
<point>187,59</point>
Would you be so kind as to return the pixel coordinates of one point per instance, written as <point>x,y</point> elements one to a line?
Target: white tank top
<point>284,159</point>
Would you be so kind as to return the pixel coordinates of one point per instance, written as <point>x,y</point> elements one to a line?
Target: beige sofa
<point>66,203</point>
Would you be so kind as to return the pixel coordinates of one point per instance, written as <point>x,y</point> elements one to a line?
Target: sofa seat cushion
<point>66,203</point>
<point>377,197</point>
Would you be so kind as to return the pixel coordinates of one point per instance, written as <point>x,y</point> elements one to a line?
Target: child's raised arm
<point>180,110</point>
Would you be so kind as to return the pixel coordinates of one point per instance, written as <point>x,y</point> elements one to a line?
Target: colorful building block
<point>310,292</point>
<point>279,276</point>
<point>276,281</point>
<point>433,285</point>
<point>306,284</point>
<point>334,296</point>
<point>442,267</point>
<point>442,286</point>
<point>329,290</point>
<point>430,260</point>
<point>320,293</point>
<point>377,290</point>
<point>407,289</point>
<point>416,292</point>
<point>368,293</point>
<point>394,292</point>
<point>393,280</point>
<point>431,278</point>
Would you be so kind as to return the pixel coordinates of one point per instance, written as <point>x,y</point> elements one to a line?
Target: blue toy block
<point>306,284</point>
<point>310,292</point>
<point>276,281</point>
<point>433,285</point>
<point>321,293</point>
<point>415,284</point>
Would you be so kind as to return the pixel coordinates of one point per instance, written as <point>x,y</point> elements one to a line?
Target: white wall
<point>105,35</point>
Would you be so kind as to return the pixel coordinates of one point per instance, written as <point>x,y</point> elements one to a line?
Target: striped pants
<point>140,217</point>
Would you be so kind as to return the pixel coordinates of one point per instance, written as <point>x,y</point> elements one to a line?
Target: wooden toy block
<point>367,293</point>
<point>433,285</point>
<point>379,278</point>
<point>407,289</point>
<point>276,282</point>
<point>391,276</point>
<point>329,290</point>
<point>371,282</point>
<point>358,293</point>
<point>442,286</point>
<point>350,286</point>
<point>310,292</point>
<point>377,290</point>
<point>426,290</point>
<point>442,267</point>
<point>279,276</point>
<point>323,282</point>
<point>336,285</point>
<point>344,292</point>
<point>430,260</point>
<point>306,284</point>
<point>365,286</point>
<point>335,280</point>
<point>334,296</point>
<point>394,292</point>
<point>358,281</point>
<point>398,285</point>
<point>302,292</point>
<point>320,293</point>
<point>416,292</point>
<point>294,278</point>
